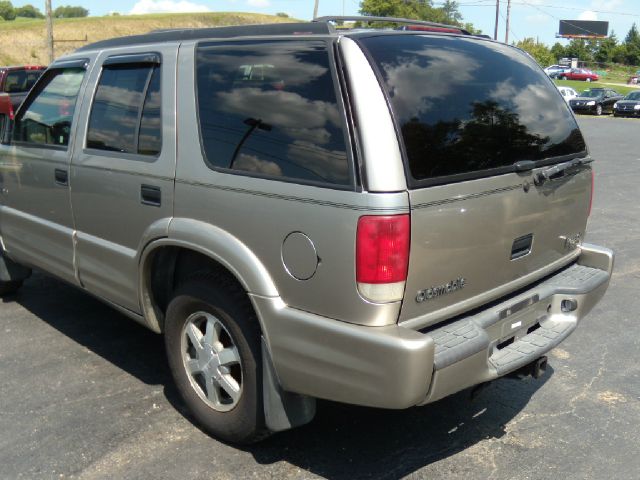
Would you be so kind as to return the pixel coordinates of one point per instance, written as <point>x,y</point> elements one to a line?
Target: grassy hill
<point>23,41</point>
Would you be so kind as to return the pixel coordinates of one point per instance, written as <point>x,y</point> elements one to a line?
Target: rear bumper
<point>396,367</point>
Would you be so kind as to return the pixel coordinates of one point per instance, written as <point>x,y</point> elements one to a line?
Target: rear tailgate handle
<point>150,195</point>
<point>521,246</point>
<point>61,177</point>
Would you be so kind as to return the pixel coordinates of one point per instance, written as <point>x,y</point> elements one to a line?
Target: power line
<point>565,21</point>
<point>489,3</point>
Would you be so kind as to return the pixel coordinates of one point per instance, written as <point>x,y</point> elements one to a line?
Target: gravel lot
<point>86,393</point>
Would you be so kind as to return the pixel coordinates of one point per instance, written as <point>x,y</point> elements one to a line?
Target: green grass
<point>23,42</point>
<point>579,86</point>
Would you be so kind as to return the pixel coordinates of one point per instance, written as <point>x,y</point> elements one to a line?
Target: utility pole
<point>506,31</point>
<point>49,14</point>
<point>315,9</point>
<point>495,31</point>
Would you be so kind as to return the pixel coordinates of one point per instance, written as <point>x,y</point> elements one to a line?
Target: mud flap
<point>282,410</point>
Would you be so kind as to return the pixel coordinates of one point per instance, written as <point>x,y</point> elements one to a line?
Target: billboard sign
<point>583,29</point>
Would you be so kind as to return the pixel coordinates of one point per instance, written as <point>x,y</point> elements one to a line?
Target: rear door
<point>474,116</point>
<point>123,170</point>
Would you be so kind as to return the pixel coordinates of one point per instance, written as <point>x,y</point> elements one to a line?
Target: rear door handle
<point>150,195</point>
<point>61,177</point>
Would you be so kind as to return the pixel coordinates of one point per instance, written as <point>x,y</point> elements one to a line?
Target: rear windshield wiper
<point>548,173</point>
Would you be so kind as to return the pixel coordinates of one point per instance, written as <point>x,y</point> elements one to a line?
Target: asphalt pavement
<point>86,393</point>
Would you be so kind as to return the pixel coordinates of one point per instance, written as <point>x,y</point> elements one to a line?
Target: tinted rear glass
<point>468,106</point>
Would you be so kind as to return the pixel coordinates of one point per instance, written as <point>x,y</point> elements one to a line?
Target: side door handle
<point>61,177</point>
<point>150,195</point>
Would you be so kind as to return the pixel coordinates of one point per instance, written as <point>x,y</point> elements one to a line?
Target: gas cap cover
<point>299,256</point>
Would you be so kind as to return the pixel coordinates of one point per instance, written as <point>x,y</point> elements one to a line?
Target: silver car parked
<point>380,218</point>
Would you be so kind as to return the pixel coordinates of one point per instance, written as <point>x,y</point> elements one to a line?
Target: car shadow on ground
<point>342,442</point>
<point>347,442</point>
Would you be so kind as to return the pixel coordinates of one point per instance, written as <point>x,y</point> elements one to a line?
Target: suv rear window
<point>21,80</point>
<point>270,109</point>
<point>468,108</point>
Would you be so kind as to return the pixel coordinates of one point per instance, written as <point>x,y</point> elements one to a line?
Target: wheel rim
<point>599,110</point>
<point>211,361</point>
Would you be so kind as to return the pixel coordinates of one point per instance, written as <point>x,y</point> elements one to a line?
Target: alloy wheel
<point>211,361</point>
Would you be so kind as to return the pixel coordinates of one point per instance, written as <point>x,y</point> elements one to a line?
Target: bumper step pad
<point>463,338</point>
<point>457,341</point>
<point>530,347</point>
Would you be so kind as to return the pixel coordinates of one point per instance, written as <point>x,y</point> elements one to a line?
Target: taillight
<point>382,256</point>
<point>11,112</point>
<point>591,198</point>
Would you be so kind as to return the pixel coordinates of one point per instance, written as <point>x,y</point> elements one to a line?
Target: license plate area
<point>516,321</point>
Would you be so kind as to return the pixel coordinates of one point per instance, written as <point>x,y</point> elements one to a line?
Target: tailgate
<point>475,241</point>
<point>478,120</point>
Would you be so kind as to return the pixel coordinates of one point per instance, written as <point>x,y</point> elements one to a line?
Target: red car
<point>17,81</point>
<point>579,74</point>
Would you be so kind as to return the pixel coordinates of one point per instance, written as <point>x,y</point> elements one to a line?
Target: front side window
<point>270,109</point>
<point>47,119</point>
<point>467,106</point>
<point>125,115</point>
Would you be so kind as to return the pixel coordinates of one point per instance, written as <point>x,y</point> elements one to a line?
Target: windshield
<point>592,93</point>
<point>467,106</point>
<point>633,96</point>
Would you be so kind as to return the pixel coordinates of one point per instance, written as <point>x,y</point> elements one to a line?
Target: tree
<point>558,51</point>
<point>416,9</point>
<point>539,51</point>
<point>632,46</point>
<point>633,36</point>
<point>578,48</point>
<point>606,48</point>
<point>451,12</point>
<point>619,54</point>
<point>28,11</point>
<point>7,11</point>
<point>70,12</point>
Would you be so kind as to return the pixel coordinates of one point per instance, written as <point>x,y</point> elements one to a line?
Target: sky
<point>529,18</point>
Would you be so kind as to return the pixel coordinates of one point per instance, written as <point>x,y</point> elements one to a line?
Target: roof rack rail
<point>407,21</point>
<point>186,34</point>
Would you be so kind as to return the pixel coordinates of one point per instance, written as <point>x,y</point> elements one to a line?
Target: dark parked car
<point>629,106</point>
<point>579,74</point>
<point>595,100</point>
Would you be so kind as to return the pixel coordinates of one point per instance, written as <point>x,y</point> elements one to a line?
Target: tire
<point>10,287</point>
<point>215,302</point>
<point>588,80</point>
<point>598,110</point>
<point>563,78</point>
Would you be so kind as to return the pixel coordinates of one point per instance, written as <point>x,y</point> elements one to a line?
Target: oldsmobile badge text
<point>439,290</point>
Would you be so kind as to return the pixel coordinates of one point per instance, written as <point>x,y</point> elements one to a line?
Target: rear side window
<point>470,108</point>
<point>270,109</point>
<point>46,120</point>
<point>125,115</point>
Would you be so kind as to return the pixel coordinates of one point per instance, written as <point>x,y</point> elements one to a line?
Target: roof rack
<point>368,19</point>
<point>168,35</point>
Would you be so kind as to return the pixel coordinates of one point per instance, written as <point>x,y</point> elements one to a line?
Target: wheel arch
<point>192,246</point>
